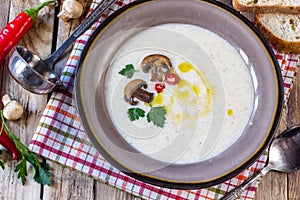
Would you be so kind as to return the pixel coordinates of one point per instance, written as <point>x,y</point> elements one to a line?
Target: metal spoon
<point>284,156</point>
<point>35,74</point>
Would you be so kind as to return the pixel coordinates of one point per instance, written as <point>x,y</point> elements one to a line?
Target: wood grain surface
<point>46,35</point>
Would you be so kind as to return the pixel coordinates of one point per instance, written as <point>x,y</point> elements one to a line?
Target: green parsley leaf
<point>157,116</point>
<point>128,71</point>
<point>42,172</point>
<point>135,113</point>
<point>21,168</point>
<point>1,164</point>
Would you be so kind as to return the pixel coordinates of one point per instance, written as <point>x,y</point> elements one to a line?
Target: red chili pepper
<point>11,34</point>
<point>159,87</point>
<point>171,79</point>
<point>6,142</point>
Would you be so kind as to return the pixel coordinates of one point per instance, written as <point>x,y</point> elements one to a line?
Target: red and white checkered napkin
<point>61,138</point>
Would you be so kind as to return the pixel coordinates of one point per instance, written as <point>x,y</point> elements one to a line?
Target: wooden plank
<point>4,19</point>
<point>65,179</point>
<point>103,191</point>
<point>281,185</point>
<point>6,184</point>
<point>294,119</point>
<point>69,184</point>
<point>37,39</point>
<point>274,184</point>
<point>65,29</point>
<point>294,185</point>
<point>293,113</point>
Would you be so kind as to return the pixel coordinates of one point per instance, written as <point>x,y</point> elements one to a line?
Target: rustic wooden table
<point>69,184</point>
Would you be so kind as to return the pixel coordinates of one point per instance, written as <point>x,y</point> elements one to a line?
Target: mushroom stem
<point>142,95</point>
<point>157,73</point>
<point>6,99</point>
<point>135,89</point>
<point>158,65</point>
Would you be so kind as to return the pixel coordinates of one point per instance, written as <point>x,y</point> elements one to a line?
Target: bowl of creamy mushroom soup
<point>181,95</point>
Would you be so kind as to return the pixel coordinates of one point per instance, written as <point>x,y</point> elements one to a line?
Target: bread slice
<point>267,6</point>
<point>281,30</point>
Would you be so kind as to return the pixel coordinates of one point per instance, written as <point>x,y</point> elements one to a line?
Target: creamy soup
<point>207,106</point>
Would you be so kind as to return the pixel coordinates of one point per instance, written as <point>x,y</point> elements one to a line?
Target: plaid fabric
<point>61,137</point>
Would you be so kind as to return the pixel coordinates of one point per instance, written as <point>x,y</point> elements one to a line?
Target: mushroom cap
<point>157,60</point>
<point>13,110</point>
<point>132,86</point>
<point>70,9</point>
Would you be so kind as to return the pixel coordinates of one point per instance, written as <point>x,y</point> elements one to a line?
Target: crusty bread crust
<point>278,43</point>
<point>259,8</point>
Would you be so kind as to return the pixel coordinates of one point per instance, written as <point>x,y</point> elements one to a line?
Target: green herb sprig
<point>128,71</point>
<point>1,164</point>
<point>156,115</point>
<point>42,172</point>
<point>135,113</point>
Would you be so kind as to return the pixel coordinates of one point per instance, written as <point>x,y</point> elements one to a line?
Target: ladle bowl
<point>37,75</point>
<point>31,72</point>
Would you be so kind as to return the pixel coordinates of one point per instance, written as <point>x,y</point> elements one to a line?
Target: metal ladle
<point>35,74</point>
<point>284,156</point>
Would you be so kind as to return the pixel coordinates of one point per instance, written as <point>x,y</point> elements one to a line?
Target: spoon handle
<point>84,26</point>
<point>237,192</point>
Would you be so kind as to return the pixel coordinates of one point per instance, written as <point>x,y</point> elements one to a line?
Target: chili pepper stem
<point>4,125</point>
<point>6,140</point>
<point>33,12</point>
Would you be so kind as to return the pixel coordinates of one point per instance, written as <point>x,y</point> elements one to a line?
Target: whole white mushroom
<point>13,110</point>
<point>71,9</point>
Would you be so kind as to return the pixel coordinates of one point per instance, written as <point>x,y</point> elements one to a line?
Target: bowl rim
<point>186,185</point>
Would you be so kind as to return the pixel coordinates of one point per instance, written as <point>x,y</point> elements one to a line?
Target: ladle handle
<point>84,26</point>
<point>238,191</point>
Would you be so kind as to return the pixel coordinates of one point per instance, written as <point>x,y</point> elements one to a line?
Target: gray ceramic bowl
<point>239,32</point>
